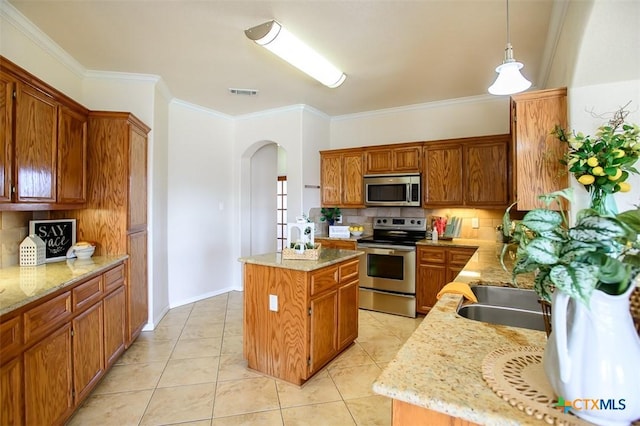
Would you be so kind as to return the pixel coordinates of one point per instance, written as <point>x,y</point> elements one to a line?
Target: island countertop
<point>20,285</point>
<point>440,366</point>
<point>327,257</point>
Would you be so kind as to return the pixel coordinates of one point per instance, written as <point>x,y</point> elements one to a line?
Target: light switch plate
<point>273,302</point>
<point>475,223</point>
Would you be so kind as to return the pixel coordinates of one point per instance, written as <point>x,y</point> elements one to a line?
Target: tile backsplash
<point>14,227</point>
<point>488,220</point>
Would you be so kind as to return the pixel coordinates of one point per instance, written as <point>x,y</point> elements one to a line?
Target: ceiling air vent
<point>245,92</point>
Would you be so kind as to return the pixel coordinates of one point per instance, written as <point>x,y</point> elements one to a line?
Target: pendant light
<point>509,79</point>
<point>274,37</point>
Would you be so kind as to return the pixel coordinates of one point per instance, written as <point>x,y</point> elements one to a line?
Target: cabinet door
<point>407,159</point>
<point>347,313</point>
<point>35,145</point>
<point>7,86</point>
<point>48,379</point>
<point>443,175</point>
<point>431,279</point>
<point>486,174</point>
<point>72,156</point>
<point>137,180</point>
<point>331,178</point>
<point>379,160</point>
<point>11,393</point>
<point>336,244</point>
<point>537,151</point>
<point>114,325</point>
<point>88,350</point>
<point>352,196</point>
<point>137,297</point>
<point>323,335</point>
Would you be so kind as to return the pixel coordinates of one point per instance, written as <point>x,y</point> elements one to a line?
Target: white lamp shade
<point>509,80</point>
<point>287,46</point>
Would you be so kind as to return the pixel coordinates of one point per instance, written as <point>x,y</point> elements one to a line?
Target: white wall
<point>456,118</point>
<point>603,37</point>
<point>264,166</point>
<point>200,199</point>
<point>316,131</point>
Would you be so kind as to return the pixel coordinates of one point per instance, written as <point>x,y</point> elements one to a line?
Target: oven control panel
<point>400,223</point>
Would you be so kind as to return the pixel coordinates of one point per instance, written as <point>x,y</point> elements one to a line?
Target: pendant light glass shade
<point>509,80</point>
<point>272,36</point>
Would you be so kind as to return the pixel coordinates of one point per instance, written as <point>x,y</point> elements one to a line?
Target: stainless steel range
<point>388,268</point>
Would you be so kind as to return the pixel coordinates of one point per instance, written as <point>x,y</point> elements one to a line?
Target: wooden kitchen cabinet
<point>53,351</point>
<point>316,317</point>
<point>7,84</point>
<point>341,178</point>
<point>386,159</point>
<point>536,151</point>
<point>469,172</point>
<point>11,393</point>
<point>43,159</point>
<point>437,266</point>
<point>332,243</point>
<point>48,379</point>
<point>35,153</point>
<point>116,209</point>
<point>442,178</point>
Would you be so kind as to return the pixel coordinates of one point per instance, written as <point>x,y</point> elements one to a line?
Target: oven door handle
<point>386,250</point>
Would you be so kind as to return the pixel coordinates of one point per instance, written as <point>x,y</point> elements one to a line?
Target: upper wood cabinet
<point>469,172</point>
<point>341,178</point>
<point>393,159</point>
<point>7,85</point>
<point>536,151</point>
<point>43,144</point>
<point>442,179</point>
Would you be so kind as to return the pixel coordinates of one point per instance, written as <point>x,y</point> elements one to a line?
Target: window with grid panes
<point>281,214</point>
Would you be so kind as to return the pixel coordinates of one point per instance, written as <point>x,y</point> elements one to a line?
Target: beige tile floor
<point>190,371</point>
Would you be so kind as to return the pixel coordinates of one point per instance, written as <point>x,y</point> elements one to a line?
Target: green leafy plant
<point>602,163</point>
<point>598,253</point>
<point>330,214</point>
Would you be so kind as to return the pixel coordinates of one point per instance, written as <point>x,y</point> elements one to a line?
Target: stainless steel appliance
<point>392,190</point>
<point>388,267</point>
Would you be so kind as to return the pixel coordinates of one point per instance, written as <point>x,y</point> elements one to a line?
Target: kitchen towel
<point>458,288</point>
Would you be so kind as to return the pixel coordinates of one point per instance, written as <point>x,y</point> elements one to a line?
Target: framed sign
<point>58,236</point>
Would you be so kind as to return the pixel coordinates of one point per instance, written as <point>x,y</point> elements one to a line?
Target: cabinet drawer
<point>324,279</point>
<point>10,338</point>
<point>459,256</point>
<point>431,255</point>
<point>42,319</point>
<point>87,294</point>
<point>349,270</point>
<point>113,278</point>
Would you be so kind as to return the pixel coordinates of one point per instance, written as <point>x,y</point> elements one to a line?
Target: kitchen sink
<point>514,307</point>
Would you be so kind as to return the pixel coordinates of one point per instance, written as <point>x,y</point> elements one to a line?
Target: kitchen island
<point>437,375</point>
<point>299,314</point>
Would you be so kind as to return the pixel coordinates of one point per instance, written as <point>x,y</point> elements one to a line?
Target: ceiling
<point>395,53</point>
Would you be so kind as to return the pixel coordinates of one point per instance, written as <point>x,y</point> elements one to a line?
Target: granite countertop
<point>440,365</point>
<point>20,285</point>
<point>327,257</point>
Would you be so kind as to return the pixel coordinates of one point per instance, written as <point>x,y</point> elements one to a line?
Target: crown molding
<point>199,108</point>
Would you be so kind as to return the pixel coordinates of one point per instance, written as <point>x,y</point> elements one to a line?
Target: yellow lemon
<point>360,228</point>
<point>592,161</point>
<point>618,153</point>
<point>586,179</point>
<point>617,175</point>
<point>624,187</point>
<point>598,171</point>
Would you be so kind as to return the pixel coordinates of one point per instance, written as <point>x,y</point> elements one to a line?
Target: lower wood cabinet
<point>54,351</point>
<point>296,321</point>
<point>332,243</point>
<point>437,266</point>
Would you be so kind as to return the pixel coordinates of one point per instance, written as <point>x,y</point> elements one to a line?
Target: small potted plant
<point>591,270</point>
<point>330,214</point>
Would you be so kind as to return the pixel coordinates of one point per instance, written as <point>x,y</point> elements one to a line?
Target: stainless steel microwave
<point>392,190</point>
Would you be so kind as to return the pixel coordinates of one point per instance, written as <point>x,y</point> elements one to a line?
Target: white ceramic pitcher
<point>594,354</point>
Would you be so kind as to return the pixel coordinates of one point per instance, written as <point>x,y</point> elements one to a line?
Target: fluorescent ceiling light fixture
<point>509,79</point>
<point>274,37</point>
